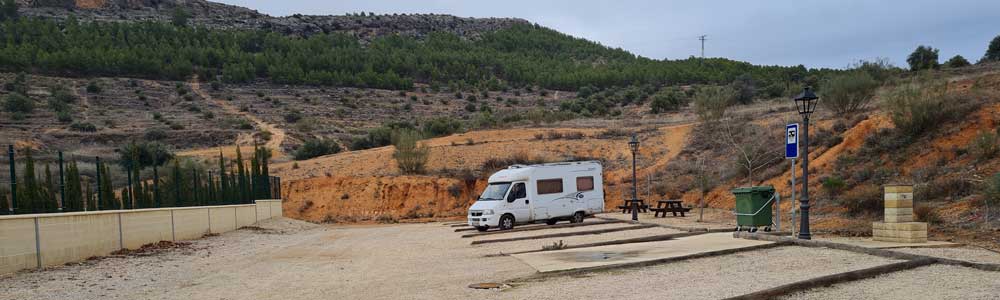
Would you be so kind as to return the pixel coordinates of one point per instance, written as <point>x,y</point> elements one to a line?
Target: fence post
<point>131,197</point>
<point>100,196</point>
<point>13,180</point>
<point>62,184</point>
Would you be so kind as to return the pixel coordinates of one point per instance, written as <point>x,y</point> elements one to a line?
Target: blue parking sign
<point>792,140</point>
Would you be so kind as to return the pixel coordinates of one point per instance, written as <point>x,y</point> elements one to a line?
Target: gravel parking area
<point>509,247</point>
<point>549,231</point>
<point>705,278</point>
<point>930,282</point>
<point>287,259</point>
<point>973,254</point>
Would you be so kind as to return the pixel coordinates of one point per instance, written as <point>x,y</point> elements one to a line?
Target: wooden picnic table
<point>672,206</point>
<point>627,206</point>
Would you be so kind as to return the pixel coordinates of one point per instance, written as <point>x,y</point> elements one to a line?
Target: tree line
<point>522,55</point>
<point>174,182</point>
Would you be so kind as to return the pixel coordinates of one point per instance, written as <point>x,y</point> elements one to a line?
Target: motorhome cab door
<point>518,203</point>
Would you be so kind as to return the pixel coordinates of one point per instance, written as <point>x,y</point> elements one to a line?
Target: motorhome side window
<point>550,186</point>
<point>584,184</point>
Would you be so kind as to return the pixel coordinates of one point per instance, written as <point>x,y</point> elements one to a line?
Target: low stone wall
<point>35,241</point>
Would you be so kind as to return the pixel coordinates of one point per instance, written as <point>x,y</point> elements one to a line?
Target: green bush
<point>64,116</point>
<point>993,51</point>
<point>923,58</point>
<point>670,99</point>
<point>918,107</point>
<point>848,92</point>
<point>154,134</point>
<point>985,146</point>
<point>83,127</point>
<point>865,199</point>
<point>315,148</point>
<point>441,127</point>
<point>17,103</point>
<point>957,61</point>
<point>94,88</point>
<point>410,155</point>
<point>711,102</point>
<point>293,116</point>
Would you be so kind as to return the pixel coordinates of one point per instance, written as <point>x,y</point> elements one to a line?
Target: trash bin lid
<point>751,189</point>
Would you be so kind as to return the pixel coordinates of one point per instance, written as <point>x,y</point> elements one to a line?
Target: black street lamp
<point>806,103</point>
<point>634,146</point>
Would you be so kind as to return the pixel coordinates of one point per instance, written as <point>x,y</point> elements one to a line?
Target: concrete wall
<point>35,241</point>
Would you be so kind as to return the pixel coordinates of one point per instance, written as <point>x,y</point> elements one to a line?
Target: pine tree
<point>74,196</point>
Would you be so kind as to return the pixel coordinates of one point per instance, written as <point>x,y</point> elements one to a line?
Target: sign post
<point>791,152</point>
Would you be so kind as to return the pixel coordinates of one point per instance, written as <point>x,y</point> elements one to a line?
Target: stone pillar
<point>899,226</point>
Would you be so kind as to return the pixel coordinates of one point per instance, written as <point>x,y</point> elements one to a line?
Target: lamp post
<point>806,104</point>
<point>634,146</point>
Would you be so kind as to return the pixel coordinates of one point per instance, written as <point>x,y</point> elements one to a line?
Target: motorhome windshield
<point>495,191</point>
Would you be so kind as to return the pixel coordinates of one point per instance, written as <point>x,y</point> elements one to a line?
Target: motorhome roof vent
<point>516,166</point>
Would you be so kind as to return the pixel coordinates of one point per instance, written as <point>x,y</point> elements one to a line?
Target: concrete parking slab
<point>571,259</point>
<point>869,243</point>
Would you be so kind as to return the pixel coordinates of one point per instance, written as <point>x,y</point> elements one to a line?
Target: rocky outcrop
<point>223,16</point>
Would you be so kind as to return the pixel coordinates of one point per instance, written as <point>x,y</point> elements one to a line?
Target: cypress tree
<point>223,181</point>
<point>265,172</point>
<point>74,196</point>
<point>91,201</point>
<point>211,194</point>
<point>255,184</point>
<point>49,203</point>
<point>107,192</point>
<point>4,201</point>
<point>241,170</point>
<point>28,189</point>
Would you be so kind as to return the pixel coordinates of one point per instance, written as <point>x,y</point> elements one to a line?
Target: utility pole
<point>702,38</point>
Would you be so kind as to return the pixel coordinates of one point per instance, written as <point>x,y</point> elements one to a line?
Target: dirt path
<point>246,139</point>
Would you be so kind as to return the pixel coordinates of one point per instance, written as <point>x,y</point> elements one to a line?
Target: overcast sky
<point>831,33</point>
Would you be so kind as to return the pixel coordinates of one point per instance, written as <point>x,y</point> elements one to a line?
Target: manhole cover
<point>487,285</point>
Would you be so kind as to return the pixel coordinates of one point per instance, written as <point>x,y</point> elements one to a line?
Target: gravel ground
<point>286,259</point>
<point>714,218</point>
<point>705,278</point>
<point>930,282</point>
<point>972,254</point>
<point>548,231</point>
<point>509,247</point>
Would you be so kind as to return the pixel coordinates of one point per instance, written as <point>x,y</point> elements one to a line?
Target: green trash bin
<point>753,207</point>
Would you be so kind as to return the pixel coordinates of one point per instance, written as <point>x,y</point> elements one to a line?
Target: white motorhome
<point>549,192</point>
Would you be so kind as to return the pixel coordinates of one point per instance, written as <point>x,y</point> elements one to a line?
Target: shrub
<point>94,88</point>
<point>83,127</point>
<point>865,199</point>
<point>518,158</point>
<point>441,127</point>
<point>64,116</point>
<point>943,188</point>
<point>985,146</point>
<point>833,185</point>
<point>575,135</point>
<point>17,103</point>
<point>553,135</point>
<point>155,134</point>
<point>744,89</point>
<point>922,58</point>
<point>926,213</point>
<point>957,61</point>
<point>469,107</point>
<point>993,51</point>
<point>848,92</point>
<point>917,107</point>
<point>293,116</point>
<point>668,100</point>
<point>176,126</point>
<point>315,148</point>
<point>614,133</point>
<point>711,102</point>
<point>410,155</point>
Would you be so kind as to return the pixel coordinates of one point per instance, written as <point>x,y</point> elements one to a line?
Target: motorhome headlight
<point>488,212</point>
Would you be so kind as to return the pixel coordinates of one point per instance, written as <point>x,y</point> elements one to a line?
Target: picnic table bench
<point>672,206</point>
<point>627,206</point>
